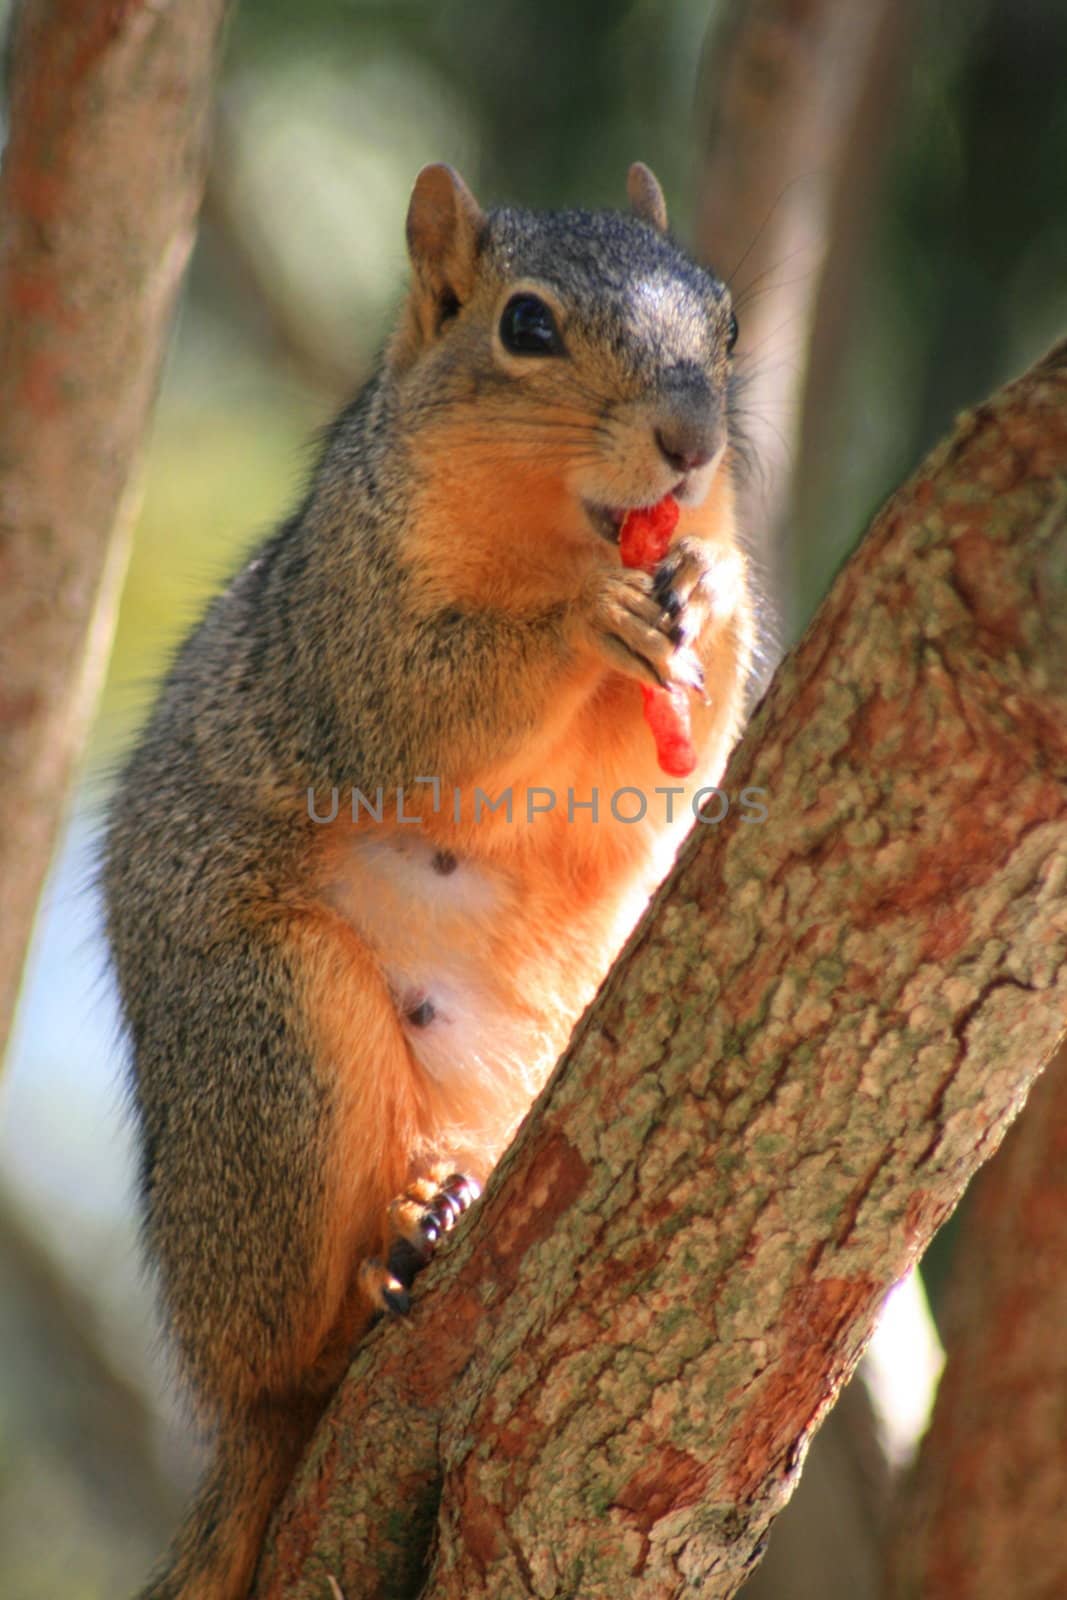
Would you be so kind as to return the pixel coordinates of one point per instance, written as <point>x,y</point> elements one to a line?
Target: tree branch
<point>99,191</point>
<point>982,1513</point>
<point>821,1029</point>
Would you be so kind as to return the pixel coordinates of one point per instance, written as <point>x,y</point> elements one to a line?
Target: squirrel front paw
<point>695,584</point>
<point>632,627</point>
<point>428,1208</point>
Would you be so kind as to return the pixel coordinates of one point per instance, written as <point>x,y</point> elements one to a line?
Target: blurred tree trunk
<point>983,227</point>
<point>821,1029</point>
<point>80,1432</point>
<point>101,181</point>
<point>829,1541</point>
<point>982,1516</point>
<point>796,108</point>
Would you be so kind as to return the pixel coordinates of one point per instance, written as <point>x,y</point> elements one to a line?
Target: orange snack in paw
<point>646,533</point>
<point>643,540</point>
<point>667,714</point>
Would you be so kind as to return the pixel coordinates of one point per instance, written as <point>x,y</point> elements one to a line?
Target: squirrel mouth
<point>607,520</point>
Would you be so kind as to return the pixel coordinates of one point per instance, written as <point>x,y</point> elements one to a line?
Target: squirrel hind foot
<point>418,1218</point>
<point>427,1209</point>
<point>382,1289</point>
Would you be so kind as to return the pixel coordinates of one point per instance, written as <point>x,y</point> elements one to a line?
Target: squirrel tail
<point>214,1553</point>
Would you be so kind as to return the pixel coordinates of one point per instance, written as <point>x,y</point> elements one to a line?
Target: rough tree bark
<point>819,1032</point>
<point>982,1515</point>
<point>795,104</point>
<point>101,181</point>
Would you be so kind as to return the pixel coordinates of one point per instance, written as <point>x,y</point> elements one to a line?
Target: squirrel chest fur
<point>397,806</point>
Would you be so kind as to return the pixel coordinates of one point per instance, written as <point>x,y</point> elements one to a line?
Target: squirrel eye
<point>731,333</point>
<point>528,328</point>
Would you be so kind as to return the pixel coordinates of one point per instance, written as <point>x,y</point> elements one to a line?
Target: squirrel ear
<point>444,223</point>
<point>646,196</point>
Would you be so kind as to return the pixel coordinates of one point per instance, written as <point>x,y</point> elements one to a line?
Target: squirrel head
<point>585,344</point>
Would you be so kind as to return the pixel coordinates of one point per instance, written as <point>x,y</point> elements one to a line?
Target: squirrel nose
<point>685,448</point>
<point>688,431</point>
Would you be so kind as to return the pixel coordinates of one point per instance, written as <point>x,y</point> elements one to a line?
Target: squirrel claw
<point>419,1218</point>
<point>398,1301</point>
<point>668,599</point>
<point>688,670</point>
<point>461,1190</point>
<point>383,1288</point>
<point>444,1209</point>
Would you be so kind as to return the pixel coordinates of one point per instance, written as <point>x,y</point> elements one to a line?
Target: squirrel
<point>361,872</point>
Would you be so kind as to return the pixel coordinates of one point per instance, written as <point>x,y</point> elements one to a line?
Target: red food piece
<point>646,533</point>
<point>667,714</point>
<point>643,540</point>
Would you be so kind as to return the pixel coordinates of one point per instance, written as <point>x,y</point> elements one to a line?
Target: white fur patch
<point>429,929</point>
<point>405,867</point>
